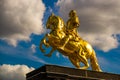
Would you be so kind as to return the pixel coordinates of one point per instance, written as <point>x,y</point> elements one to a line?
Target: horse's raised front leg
<point>41,48</point>
<point>51,52</point>
<point>43,41</point>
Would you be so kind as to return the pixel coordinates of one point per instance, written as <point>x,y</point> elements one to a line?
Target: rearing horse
<point>77,51</point>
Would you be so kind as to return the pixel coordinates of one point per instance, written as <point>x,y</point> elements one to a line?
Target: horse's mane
<point>62,22</point>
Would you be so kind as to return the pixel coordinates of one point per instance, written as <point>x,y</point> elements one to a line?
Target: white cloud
<point>99,20</point>
<point>19,19</point>
<point>33,47</point>
<point>64,56</point>
<point>14,72</point>
<point>58,54</point>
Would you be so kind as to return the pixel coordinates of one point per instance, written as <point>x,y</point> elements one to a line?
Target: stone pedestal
<point>52,72</point>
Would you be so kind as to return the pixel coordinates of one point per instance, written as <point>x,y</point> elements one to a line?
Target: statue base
<point>53,72</point>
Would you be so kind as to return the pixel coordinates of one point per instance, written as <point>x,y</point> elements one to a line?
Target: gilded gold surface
<point>64,38</point>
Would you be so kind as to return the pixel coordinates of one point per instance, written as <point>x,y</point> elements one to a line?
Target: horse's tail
<point>94,62</point>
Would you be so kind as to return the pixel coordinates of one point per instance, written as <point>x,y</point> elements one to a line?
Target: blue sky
<point>23,26</point>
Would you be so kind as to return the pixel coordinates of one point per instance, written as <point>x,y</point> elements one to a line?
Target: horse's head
<point>54,22</point>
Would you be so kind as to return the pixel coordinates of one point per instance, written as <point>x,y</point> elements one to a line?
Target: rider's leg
<point>94,63</point>
<point>65,41</point>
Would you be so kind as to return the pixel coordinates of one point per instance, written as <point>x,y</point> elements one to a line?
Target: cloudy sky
<point>22,26</point>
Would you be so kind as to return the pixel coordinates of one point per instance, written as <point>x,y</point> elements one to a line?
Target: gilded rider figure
<point>71,28</point>
<point>73,23</point>
<point>66,40</point>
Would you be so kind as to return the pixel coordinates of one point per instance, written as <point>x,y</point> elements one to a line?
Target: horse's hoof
<point>47,55</point>
<point>43,51</point>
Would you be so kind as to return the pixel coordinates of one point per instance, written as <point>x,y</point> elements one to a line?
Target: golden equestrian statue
<point>65,39</point>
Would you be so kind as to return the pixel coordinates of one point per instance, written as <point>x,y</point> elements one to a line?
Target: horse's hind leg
<point>83,59</point>
<point>94,63</point>
<point>86,64</point>
<point>75,62</point>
